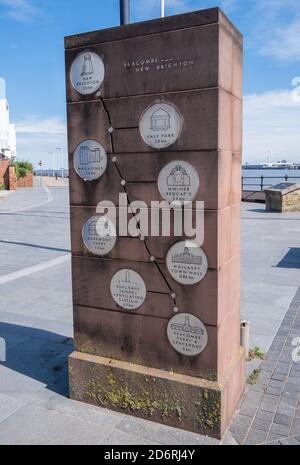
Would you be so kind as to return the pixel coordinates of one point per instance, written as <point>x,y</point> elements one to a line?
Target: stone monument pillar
<point>155,112</point>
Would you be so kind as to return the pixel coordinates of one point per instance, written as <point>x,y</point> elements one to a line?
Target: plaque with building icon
<point>187,263</point>
<point>128,289</point>
<point>187,334</point>
<point>160,125</point>
<point>87,73</point>
<point>99,235</point>
<point>90,160</point>
<point>178,182</point>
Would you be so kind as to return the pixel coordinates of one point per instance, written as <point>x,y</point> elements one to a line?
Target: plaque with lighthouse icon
<point>179,182</point>
<point>187,263</point>
<point>99,235</point>
<point>187,334</point>
<point>128,289</point>
<point>160,125</point>
<point>87,73</point>
<point>90,160</point>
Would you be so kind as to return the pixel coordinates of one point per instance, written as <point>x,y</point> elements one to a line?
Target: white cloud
<point>19,10</point>
<point>276,29</point>
<point>272,122</point>
<point>36,138</point>
<point>285,43</point>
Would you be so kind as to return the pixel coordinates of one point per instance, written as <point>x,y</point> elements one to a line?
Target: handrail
<point>262,179</point>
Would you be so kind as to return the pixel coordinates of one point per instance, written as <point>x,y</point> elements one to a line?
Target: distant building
<point>179,177</point>
<point>160,120</point>
<point>89,156</point>
<point>7,130</point>
<point>186,258</point>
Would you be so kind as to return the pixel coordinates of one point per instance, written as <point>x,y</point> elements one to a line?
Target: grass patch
<point>253,377</point>
<point>256,353</point>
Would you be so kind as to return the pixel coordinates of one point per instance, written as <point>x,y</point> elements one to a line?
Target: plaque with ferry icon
<point>99,235</point>
<point>90,160</point>
<point>187,263</point>
<point>187,334</point>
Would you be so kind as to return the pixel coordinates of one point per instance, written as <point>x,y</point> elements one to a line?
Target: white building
<point>7,130</point>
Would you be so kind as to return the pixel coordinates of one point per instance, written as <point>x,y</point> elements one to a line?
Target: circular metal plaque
<point>160,125</point>
<point>87,73</point>
<point>187,263</point>
<point>128,289</point>
<point>178,181</point>
<point>187,334</point>
<point>99,235</point>
<point>90,160</point>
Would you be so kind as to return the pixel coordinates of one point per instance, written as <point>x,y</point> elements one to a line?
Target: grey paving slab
<point>8,406</point>
<point>276,417</point>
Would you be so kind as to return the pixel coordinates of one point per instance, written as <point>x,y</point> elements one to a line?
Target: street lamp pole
<point>59,149</point>
<point>53,163</point>
<point>162,8</point>
<point>125,11</point>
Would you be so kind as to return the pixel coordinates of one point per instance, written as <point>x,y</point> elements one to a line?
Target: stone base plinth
<point>181,401</point>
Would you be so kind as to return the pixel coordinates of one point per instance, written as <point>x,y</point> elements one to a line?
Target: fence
<point>263,183</point>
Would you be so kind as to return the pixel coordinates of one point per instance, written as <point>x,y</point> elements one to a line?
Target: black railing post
<point>262,183</point>
<point>124,12</point>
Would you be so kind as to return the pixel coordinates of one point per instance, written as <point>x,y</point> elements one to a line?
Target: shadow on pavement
<point>39,355</point>
<point>291,259</point>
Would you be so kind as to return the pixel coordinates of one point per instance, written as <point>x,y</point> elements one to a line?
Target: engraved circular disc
<point>178,181</point>
<point>160,125</point>
<point>128,289</point>
<point>187,334</point>
<point>87,73</point>
<point>187,263</point>
<point>99,235</point>
<point>90,160</point>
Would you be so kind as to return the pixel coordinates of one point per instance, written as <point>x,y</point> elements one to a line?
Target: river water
<point>271,177</point>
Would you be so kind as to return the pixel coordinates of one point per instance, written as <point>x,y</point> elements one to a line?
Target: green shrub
<point>22,168</point>
<point>2,187</point>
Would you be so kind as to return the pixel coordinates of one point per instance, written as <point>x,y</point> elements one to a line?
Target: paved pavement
<point>270,412</point>
<point>36,321</point>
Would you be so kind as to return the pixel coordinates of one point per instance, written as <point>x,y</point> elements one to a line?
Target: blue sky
<point>32,62</point>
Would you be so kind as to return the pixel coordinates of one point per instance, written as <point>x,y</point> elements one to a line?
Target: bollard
<point>245,337</point>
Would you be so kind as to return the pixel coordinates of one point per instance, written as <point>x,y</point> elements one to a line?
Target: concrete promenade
<point>36,322</point>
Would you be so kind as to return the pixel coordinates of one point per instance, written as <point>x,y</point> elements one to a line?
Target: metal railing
<point>263,184</point>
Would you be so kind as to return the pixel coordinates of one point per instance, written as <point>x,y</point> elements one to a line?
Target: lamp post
<point>162,9</point>
<point>60,150</point>
<point>53,163</point>
<point>125,11</point>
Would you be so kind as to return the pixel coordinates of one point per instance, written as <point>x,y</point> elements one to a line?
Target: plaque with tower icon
<point>187,263</point>
<point>87,73</point>
<point>90,160</point>
<point>187,334</point>
<point>99,235</point>
<point>178,181</point>
<point>128,289</point>
<point>160,125</point>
